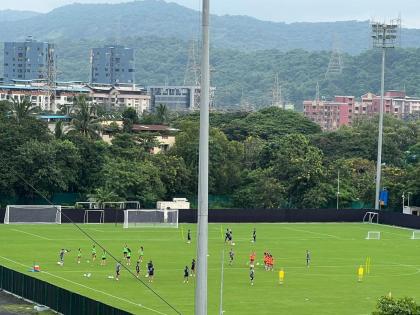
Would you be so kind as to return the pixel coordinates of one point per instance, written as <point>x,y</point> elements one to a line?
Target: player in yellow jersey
<point>360,273</point>
<point>281,276</point>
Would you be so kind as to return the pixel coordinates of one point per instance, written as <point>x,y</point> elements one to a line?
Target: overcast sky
<point>274,10</point>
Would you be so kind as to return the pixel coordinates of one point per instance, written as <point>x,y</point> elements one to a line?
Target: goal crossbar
<point>415,235</point>
<point>373,235</point>
<point>371,217</point>
<point>150,218</point>
<point>96,212</point>
<point>32,214</point>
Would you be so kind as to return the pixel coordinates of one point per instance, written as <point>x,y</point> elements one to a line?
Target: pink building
<point>342,111</point>
<point>330,115</point>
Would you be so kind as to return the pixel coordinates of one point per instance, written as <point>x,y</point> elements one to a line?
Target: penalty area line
<point>89,288</point>
<point>31,234</point>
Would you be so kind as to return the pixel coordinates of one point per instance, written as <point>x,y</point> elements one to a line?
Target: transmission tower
<point>277,98</point>
<point>317,94</point>
<point>335,65</point>
<point>192,71</point>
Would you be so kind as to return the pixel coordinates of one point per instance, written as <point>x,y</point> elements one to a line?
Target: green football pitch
<point>328,286</point>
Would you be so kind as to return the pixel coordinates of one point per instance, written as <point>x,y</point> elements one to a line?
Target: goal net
<point>415,235</point>
<point>150,218</point>
<point>371,217</point>
<point>94,216</point>
<point>373,235</point>
<point>32,214</point>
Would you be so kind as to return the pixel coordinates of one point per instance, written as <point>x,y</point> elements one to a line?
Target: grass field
<point>329,286</point>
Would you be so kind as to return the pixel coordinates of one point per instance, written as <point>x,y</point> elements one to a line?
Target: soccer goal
<point>371,217</point>
<point>373,235</point>
<point>94,216</point>
<point>415,235</point>
<point>32,214</point>
<point>150,218</point>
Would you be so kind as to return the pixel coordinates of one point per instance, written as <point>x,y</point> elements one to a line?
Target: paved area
<point>11,305</point>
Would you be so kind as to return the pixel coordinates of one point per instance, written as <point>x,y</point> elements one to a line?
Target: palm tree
<point>162,113</point>
<point>101,195</point>
<point>84,119</point>
<point>23,109</point>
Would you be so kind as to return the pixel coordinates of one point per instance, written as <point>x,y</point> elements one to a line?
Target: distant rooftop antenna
<point>335,65</point>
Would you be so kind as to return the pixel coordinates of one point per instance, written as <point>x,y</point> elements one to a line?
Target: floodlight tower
<point>384,36</point>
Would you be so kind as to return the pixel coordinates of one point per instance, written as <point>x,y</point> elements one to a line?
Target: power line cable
<point>96,242</point>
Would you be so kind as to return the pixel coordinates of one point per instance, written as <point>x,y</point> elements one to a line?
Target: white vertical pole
<point>202,239</point>
<point>221,282</point>
<point>381,125</point>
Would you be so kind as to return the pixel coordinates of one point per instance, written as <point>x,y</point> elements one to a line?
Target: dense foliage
<point>270,158</point>
<point>388,305</point>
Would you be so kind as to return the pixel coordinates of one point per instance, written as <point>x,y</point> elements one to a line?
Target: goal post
<point>33,214</point>
<point>94,216</point>
<point>415,235</point>
<point>371,217</point>
<point>150,218</point>
<point>373,235</point>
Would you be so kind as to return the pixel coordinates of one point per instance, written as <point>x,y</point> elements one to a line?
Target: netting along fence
<point>56,298</point>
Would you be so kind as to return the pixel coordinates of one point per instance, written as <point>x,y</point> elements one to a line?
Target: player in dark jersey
<point>128,256</point>
<point>189,236</point>
<point>254,235</point>
<point>227,235</point>
<point>251,275</point>
<point>193,268</point>
<point>138,268</point>
<point>231,256</point>
<point>151,273</point>
<point>186,274</point>
<point>308,258</point>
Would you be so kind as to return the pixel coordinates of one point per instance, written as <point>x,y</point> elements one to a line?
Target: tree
<point>133,180</point>
<point>59,130</point>
<point>130,117</point>
<point>296,164</point>
<point>103,194</point>
<point>48,166</point>
<point>23,109</point>
<point>84,119</point>
<point>225,162</point>
<point>270,123</point>
<point>260,190</point>
<point>162,114</point>
<point>388,305</point>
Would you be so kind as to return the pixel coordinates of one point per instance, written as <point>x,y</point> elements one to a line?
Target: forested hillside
<point>169,20</point>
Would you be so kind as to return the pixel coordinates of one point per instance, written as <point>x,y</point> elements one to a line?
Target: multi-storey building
<point>120,96</point>
<point>29,60</point>
<point>330,115</point>
<point>63,94</point>
<point>177,98</point>
<point>40,95</point>
<point>112,65</point>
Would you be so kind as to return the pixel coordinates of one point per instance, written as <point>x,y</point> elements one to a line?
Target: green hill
<point>170,20</point>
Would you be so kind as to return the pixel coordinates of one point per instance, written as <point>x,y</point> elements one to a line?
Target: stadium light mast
<point>384,36</point>
<point>203,173</point>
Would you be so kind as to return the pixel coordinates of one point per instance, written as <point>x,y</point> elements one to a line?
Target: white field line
<point>311,232</point>
<point>89,288</point>
<point>44,238</point>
